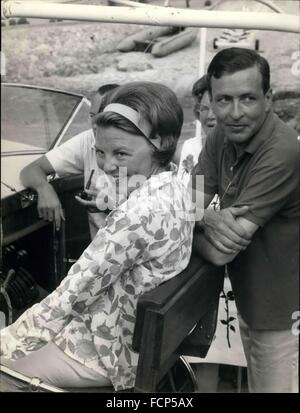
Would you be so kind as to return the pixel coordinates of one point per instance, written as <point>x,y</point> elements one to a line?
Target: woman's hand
<point>49,206</point>
<point>90,202</point>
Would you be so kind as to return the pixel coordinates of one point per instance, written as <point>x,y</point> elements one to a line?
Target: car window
<point>80,122</point>
<point>34,116</point>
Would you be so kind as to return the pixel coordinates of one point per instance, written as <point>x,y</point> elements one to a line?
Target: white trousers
<point>51,365</point>
<point>272,359</point>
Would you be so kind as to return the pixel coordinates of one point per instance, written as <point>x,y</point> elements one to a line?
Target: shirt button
<point>231,168</point>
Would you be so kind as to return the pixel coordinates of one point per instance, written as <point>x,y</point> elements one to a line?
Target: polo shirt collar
<point>264,132</point>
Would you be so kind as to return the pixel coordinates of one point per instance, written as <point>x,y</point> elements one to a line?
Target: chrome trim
<point>34,383</point>
<point>190,372</point>
<point>65,128</point>
<point>23,85</point>
<point>23,153</point>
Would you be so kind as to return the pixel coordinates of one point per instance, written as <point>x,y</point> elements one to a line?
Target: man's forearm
<point>35,174</point>
<point>33,177</point>
<point>205,249</point>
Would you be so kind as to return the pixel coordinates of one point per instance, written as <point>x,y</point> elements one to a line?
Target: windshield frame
<point>64,126</point>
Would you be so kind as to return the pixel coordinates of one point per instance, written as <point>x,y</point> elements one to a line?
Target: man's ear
<point>269,100</point>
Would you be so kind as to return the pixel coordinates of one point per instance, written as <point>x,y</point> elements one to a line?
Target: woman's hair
<point>198,90</point>
<point>155,103</point>
<point>234,59</point>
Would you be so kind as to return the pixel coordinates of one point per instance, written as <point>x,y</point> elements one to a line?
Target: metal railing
<point>154,16</point>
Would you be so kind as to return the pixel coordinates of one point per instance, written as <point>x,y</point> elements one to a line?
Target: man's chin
<point>238,137</point>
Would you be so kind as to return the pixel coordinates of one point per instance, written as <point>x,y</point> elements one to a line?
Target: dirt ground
<point>82,56</point>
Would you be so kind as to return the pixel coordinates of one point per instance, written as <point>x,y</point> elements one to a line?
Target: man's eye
<point>248,99</point>
<point>224,99</point>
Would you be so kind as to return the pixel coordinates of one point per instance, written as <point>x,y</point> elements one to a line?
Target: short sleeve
<point>68,158</point>
<point>273,185</point>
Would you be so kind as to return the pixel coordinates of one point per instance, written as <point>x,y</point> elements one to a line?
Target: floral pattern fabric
<point>91,315</point>
<point>188,158</point>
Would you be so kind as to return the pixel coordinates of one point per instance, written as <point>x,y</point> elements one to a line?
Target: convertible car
<point>34,256</point>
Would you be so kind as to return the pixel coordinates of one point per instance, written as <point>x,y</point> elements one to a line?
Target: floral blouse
<point>91,314</point>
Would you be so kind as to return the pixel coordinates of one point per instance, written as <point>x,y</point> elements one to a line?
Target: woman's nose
<point>109,165</point>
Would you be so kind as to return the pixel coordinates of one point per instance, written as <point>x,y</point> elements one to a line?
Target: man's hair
<point>104,91</point>
<point>158,105</point>
<point>234,59</point>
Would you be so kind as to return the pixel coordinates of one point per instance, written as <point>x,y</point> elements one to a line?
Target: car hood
<point>9,148</point>
<point>14,157</point>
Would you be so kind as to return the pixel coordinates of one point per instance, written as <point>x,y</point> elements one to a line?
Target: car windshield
<point>34,117</point>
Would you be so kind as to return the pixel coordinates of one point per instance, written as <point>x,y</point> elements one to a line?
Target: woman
<point>81,334</point>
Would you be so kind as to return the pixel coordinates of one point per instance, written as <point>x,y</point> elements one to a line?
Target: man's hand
<point>49,206</point>
<point>222,230</point>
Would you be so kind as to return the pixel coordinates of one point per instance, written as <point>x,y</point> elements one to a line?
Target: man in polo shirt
<point>252,162</point>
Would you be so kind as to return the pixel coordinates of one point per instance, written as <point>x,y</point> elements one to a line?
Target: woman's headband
<point>134,117</point>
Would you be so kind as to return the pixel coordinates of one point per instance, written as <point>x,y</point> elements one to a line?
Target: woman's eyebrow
<point>116,149</point>
<point>122,148</point>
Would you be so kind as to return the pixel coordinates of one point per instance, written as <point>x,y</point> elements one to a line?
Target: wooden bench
<point>166,316</point>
